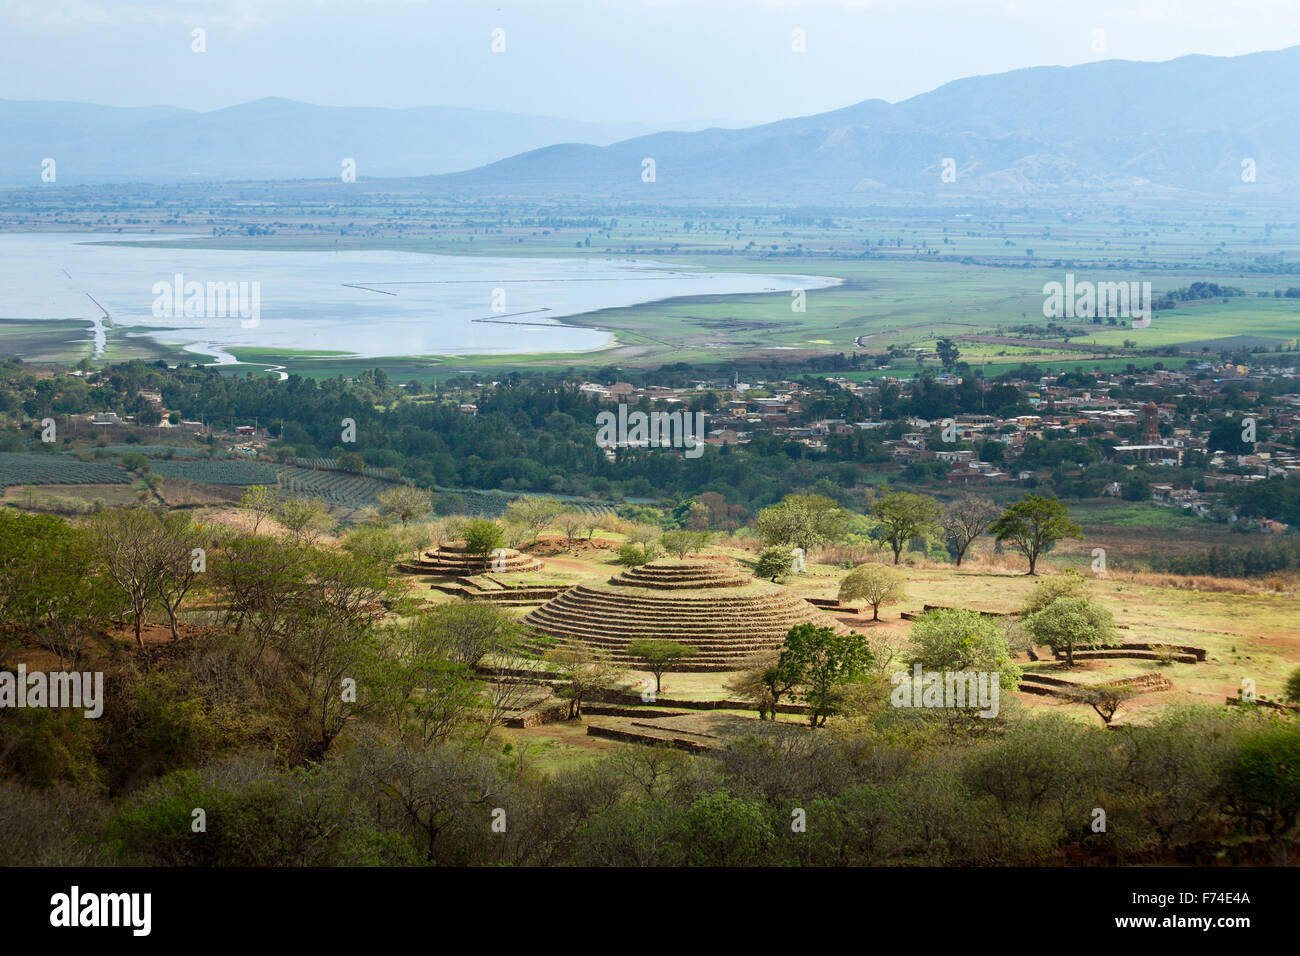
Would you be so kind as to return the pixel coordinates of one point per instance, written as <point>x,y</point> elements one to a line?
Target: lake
<point>363,303</point>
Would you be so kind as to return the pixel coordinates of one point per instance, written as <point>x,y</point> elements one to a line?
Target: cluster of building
<point>1168,437</point>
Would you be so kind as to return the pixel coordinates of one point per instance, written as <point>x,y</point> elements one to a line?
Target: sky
<point>684,63</point>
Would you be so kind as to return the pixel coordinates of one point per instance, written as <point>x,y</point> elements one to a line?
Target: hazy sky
<point>654,61</point>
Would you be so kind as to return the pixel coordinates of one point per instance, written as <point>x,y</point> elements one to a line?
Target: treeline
<point>1265,557</point>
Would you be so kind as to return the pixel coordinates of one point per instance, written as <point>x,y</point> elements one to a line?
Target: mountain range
<point>1198,123</point>
<point>268,139</point>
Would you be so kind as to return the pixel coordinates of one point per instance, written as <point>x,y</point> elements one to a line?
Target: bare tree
<point>966,519</point>
<point>129,541</point>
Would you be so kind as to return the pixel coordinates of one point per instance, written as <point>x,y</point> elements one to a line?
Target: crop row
<point>18,468</point>
<point>336,487</point>
<point>216,472</point>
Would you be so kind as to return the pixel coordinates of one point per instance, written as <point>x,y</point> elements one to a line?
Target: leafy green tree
<point>260,500</point>
<point>630,556</point>
<point>1291,691</point>
<point>351,461</point>
<point>376,543</point>
<point>723,830</point>
<point>876,584</point>
<point>1263,787</point>
<point>682,543</point>
<point>1033,525</point>
<point>659,655</point>
<point>819,662</point>
<point>1069,583</point>
<point>903,516</point>
<point>1069,623</point>
<point>801,521</point>
<point>963,640</point>
<point>483,536</point>
<point>774,562</point>
<point>52,590</point>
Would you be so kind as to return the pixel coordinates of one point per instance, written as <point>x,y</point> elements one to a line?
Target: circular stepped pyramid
<point>454,560</point>
<point>727,615</point>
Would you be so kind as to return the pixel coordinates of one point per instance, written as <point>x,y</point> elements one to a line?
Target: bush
<point>630,556</point>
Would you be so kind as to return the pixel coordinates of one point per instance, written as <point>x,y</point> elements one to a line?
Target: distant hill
<point>267,139</point>
<point>1115,126</point>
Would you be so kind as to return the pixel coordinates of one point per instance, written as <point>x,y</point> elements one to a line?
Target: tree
<point>53,591</point>
<point>948,353</point>
<point>1068,583</point>
<point>963,640</point>
<point>1033,525</point>
<point>534,512</point>
<point>904,516</point>
<point>761,681</point>
<point>1291,691</point>
<point>1070,622</point>
<point>260,500</point>
<point>128,541</point>
<point>1263,786</point>
<point>819,661</point>
<point>304,518</point>
<point>657,655</point>
<point>469,631</point>
<point>682,543</point>
<point>179,565</point>
<point>877,584</point>
<point>571,521</point>
<point>352,462</point>
<point>375,543</point>
<point>1105,699</point>
<point>483,536</point>
<point>966,519</point>
<point>774,562</point>
<point>405,503</point>
<point>646,536</point>
<point>420,689</point>
<point>801,521</point>
<point>583,672</point>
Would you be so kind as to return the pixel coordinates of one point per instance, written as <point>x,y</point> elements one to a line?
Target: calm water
<point>363,303</point>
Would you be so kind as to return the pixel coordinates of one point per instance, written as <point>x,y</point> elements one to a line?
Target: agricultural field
<point>345,489</point>
<point>216,472</point>
<point>19,468</point>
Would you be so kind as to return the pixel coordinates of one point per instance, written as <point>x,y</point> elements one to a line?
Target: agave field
<point>161,451</point>
<point>346,489</point>
<point>216,472</point>
<point>331,464</point>
<point>18,468</point>
<point>492,504</point>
